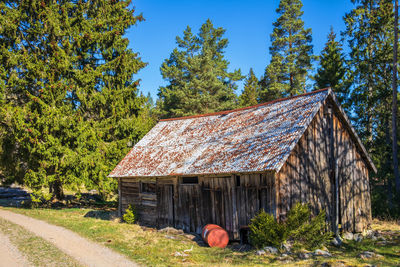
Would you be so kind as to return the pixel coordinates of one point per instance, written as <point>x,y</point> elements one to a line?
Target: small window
<point>190,180</point>
<point>237,178</point>
<point>149,188</point>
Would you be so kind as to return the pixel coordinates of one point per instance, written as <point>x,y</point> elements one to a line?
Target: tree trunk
<point>56,189</point>
<point>388,179</point>
<point>394,103</point>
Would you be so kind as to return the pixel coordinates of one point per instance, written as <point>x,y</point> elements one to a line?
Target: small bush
<point>130,215</point>
<point>266,231</point>
<point>299,227</point>
<point>304,231</point>
<point>40,199</point>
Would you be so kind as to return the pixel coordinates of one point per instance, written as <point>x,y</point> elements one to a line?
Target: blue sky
<point>248,25</point>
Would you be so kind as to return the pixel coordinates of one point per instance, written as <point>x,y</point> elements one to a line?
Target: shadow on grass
<point>19,198</point>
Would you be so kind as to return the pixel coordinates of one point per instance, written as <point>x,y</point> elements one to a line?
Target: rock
<point>171,230</point>
<point>368,233</point>
<point>271,250</point>
<point>358,237</point>
<point>320,252</point>
<point>287,246</point>
<point>304,255</point>
<point>367,255</point>
<point>260,252</point>
<point>285,258</point>
<point>348,236</point>
<point>180,254</point>
<point>337,241</point>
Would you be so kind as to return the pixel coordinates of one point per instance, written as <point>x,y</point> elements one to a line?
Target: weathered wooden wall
<point>214,199</point>
<point>144,203</point>
<point>325,155</point>
<point>308,175</point>
<point>355,204</point>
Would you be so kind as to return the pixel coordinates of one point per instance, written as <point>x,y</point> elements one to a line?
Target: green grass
<point>149,247</point>
<point>36,250</point>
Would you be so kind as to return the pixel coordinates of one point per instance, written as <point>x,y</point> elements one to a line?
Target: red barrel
<point>215,236</point>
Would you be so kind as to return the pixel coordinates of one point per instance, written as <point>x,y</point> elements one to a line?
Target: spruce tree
<point>370,31</point>
<point>291,53</point>
<point>249,95</point>
<point>332,69</point>
<point>394,101</point>
<point>197,75</point>
<point>70,99</point>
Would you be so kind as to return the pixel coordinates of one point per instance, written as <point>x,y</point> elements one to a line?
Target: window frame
<point>196,182</point>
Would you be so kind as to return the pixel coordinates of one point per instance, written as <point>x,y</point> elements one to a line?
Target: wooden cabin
<point>225,167</point>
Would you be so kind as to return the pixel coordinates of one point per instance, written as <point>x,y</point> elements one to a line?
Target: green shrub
<point>266,231</point>
<point>305,231</point>
<point>130,215</point>
<point>40,199</point>
<point>299,228</point>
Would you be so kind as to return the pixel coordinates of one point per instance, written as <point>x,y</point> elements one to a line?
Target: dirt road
<point>84,251</point>
<point>9,254</point>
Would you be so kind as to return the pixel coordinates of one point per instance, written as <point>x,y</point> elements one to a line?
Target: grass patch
<point>150,247</point>
<point>37,250</point>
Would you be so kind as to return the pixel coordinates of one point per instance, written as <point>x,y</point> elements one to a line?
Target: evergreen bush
<point>305,231</point>
<point>130,216</point>
<point>40,199</point>
<point>266,231</point>
<point>299,228</point>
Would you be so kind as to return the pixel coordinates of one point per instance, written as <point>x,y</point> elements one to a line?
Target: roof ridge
<point>245,108</point>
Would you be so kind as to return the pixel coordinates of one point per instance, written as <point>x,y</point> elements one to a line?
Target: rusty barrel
<point>215,236</point>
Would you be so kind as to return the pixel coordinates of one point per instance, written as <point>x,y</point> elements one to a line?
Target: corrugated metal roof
<point>251,139</point>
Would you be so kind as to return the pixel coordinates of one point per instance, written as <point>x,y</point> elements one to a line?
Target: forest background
<point>72,105</point>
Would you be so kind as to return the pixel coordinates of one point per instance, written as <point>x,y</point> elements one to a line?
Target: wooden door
<point>165,205</point>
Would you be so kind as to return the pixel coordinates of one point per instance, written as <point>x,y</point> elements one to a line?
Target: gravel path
<point>9,254</point>
<point>84,251</point>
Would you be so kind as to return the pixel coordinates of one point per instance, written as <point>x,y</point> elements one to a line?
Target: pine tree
<point>291,53</point>
<point>249,95</point>
<point>369,31</point>
<point>197,75</point>
<point>332,70</point>
<point>70,101</point>
<point>394,101</point>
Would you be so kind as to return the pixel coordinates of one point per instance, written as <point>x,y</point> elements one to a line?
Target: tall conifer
<point>369,31</point>
<point>197,75</point>
<point>291,53</point>
<point>71,103</point>
<point>249,96</point>
<point>332,69</point>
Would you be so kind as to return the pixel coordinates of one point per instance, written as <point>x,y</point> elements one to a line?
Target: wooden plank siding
<point>324,152</point>
<point>218,200</point>
<point>269,156</point>
<point>308,174</point>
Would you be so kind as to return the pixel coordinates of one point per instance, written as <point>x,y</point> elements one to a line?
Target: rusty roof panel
<point>252,139</point>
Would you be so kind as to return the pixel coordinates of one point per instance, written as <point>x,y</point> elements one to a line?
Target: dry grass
<point>385,225</point>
